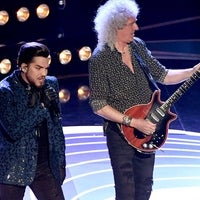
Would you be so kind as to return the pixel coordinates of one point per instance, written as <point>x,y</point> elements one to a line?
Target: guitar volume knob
<point>145,145</point>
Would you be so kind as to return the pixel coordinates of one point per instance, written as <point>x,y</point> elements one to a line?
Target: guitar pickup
<point>161,113</point>
<point>154,117</point>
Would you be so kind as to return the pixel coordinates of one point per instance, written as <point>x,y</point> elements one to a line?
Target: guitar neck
<point>180,91</point>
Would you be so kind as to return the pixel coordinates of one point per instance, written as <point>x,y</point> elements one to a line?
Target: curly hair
<point>112,16</point>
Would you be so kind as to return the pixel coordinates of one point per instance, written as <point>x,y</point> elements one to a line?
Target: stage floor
<point>89,174</point>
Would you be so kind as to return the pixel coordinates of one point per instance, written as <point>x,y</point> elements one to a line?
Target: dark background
<point>171,30</point>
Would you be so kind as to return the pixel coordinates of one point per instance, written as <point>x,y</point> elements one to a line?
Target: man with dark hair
<point>32,145</point>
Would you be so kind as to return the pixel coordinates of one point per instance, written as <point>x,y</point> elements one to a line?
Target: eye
<point>38,67</point>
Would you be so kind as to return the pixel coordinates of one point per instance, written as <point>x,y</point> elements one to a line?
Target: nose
<point>44,72</point>
<point>135,27</point>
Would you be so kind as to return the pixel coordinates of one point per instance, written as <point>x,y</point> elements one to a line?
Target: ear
<point>24,67</point>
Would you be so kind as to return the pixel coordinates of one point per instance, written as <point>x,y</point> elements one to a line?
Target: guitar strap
<point>147,72</point>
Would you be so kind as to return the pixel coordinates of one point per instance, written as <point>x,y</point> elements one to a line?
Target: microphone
<point>51,96</point>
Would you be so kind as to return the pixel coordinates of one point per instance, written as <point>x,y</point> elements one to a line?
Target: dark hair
<point>30,50</point>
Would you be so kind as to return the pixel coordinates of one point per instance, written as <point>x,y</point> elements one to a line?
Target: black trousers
<point>132,170</point>
<point>44,186</point>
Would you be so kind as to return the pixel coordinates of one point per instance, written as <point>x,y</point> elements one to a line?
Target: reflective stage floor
<point>89,174</point>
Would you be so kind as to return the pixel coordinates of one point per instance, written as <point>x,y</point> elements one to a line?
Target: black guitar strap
<point>147,72</point>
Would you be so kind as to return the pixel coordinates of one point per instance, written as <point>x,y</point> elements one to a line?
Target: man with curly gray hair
<point>118,82</point>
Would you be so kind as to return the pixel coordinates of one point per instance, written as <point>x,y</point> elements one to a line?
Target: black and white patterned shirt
<point>112,82</point>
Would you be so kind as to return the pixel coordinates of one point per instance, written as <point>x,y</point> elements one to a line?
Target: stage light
<point>42,11</point>
<point>85,53</point>
<point>4,17</point>
<point>5,66</point>
<point>65,57</point>
<point>83,92</point>
<point>23,14</point>
<point>61,4</point>
<point>64,95</point>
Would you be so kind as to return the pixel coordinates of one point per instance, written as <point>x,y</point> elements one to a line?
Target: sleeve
<point>98,83</point>
<point>57,136</point>
<point>157,70</point>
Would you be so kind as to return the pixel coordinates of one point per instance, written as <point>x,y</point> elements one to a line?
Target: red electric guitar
<point>157,112</point>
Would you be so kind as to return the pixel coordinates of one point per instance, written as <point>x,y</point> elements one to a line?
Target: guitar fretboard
<point>180,91</point>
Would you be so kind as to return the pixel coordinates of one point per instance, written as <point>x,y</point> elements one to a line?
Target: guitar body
<point>154,112</point>
<point>157,112</point>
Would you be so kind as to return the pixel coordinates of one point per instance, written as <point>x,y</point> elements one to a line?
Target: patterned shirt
<point>19,140</point>
<point>112,82</point>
